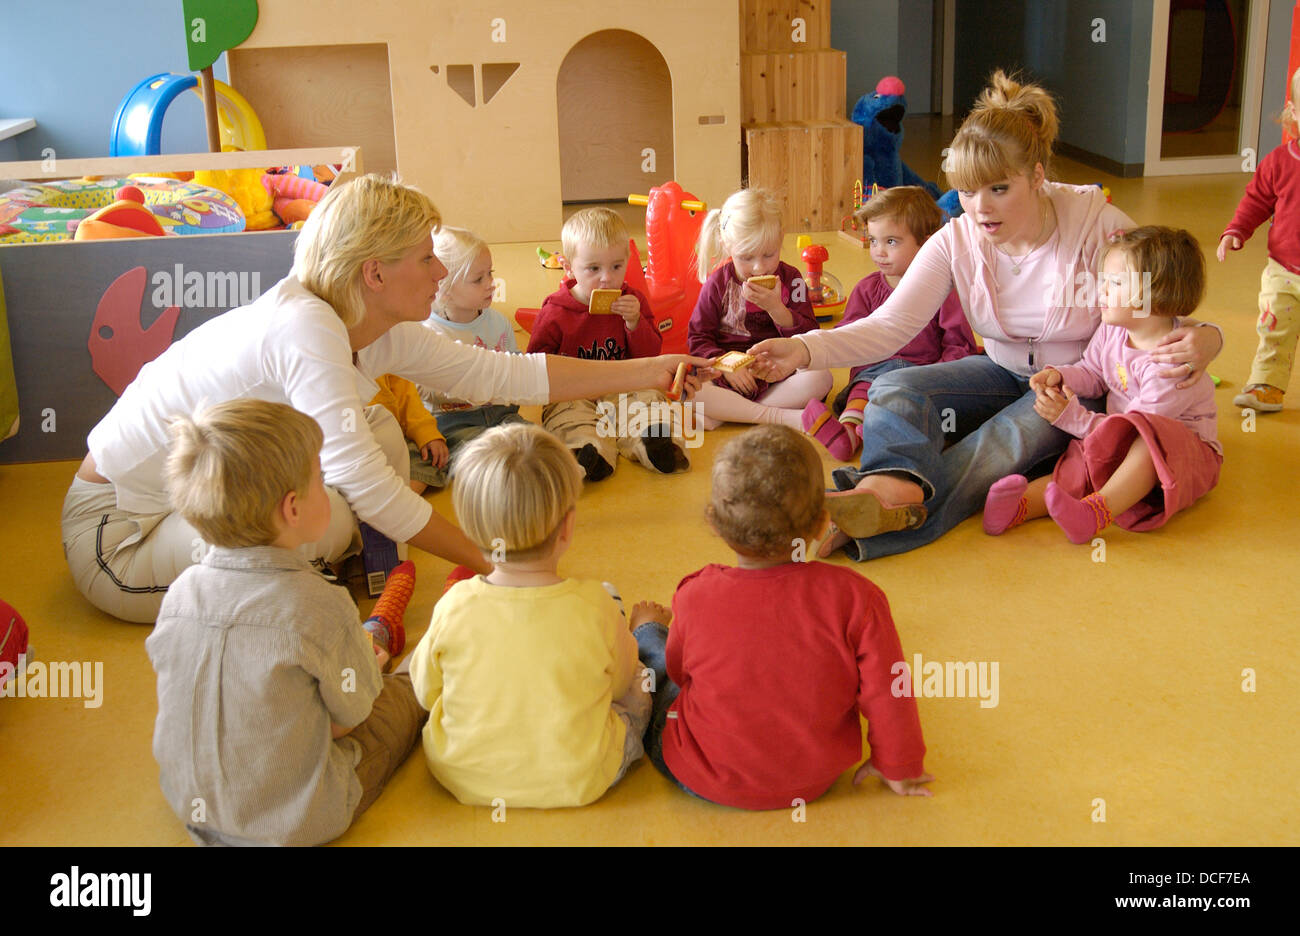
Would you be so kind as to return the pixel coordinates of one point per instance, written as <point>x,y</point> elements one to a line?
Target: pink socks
<point>840,440</point>
<point>1006,505</point>
<point>1080,519</point>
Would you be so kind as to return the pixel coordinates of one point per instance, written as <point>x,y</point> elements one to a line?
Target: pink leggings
<point>782,402</point>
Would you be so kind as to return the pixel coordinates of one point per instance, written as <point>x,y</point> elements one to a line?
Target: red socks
<point>385,621</point>
<point>1080,519</point>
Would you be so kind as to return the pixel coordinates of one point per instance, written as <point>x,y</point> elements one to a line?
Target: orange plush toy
<point>126,217</point>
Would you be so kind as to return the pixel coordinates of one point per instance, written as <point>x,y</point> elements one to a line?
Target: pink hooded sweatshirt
<point>959,257</point>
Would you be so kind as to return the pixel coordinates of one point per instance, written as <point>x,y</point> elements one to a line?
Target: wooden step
<point>813,163</point>
<point>803,85</point>
<point>768,25</point>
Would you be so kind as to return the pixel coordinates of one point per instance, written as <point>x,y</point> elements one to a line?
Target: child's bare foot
<point>836,539</point>
<point>419,487</point>
<point>643,612</point>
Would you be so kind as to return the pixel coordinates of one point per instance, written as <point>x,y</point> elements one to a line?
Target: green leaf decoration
<point>213,26</point>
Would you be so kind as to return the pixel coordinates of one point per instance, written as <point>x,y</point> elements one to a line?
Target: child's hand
<point>1052,403</point>
<point>629,307</point>
<point>643,612</point>
<point>743,382</point>
<point>1047,377</point>
<point>911,787</point>
<point>436,453</point>
<point>769,300</point>
<point>1227,242</point>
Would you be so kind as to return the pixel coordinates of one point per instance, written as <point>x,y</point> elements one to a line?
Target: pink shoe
<point>820,423</point>
<point>1080,519</point>
<point>1006,505</point>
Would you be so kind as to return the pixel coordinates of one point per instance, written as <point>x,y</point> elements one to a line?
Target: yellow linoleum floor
<point>1120,682</point>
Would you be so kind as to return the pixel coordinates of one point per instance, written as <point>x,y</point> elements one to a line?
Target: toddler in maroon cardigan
<point>768,664</point>
<point>898,221</point>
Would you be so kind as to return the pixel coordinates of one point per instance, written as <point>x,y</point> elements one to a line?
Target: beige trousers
<point>615,424</point>
<point>1278,325</point>
<point>123,562</point>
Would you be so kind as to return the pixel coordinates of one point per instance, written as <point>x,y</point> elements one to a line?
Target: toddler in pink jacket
<point>1155,450</point>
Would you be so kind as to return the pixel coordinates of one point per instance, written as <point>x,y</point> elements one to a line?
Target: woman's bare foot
<point>891,489</point>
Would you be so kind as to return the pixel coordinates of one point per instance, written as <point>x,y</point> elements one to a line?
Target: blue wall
<point>1275,76</point>
<point>885,37</point>
<point>72,85</point>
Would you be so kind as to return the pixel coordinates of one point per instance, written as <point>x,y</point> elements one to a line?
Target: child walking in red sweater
<point>1275,190</point>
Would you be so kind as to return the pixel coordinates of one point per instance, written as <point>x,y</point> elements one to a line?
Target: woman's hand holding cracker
<point>778,358</point>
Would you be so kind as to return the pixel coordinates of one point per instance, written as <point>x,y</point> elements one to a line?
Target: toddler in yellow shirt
<point>535,694</point>
<point>429,453</point>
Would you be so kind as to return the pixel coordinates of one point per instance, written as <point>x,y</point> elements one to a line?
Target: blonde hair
<point>1174,261</point>
<point>911,205</point>
<point>231,465</point>
<point>593,227</point>
<point>1010,130</point>
<point>369,218</point>
<point>748,220</point>
<point>514,485</point>
<point>456,249</point>
<point>767,491</point>
<point>1289,116</point>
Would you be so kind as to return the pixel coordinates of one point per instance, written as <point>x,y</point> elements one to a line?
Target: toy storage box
<point>84,316</point>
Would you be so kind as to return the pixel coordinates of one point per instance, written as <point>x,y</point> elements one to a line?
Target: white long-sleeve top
<point>289,346</point>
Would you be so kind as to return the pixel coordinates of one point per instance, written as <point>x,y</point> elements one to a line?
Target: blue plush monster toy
<point>881,116</point>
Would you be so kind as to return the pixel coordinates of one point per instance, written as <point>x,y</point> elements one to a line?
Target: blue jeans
<point>984,409</point>
<point>459,426</point>
<point>866,374</point>
<point>652,642</point>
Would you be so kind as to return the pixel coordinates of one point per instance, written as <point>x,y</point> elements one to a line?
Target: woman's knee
<point>389,435</point>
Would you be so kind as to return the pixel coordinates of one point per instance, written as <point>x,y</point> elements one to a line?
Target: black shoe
<point>596,468</point>
<point>661,451</point>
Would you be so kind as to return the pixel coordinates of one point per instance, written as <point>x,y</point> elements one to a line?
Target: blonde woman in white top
<point>363,278</point>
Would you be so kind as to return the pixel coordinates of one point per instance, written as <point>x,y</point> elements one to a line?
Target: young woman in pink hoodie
<point>1022,258</point>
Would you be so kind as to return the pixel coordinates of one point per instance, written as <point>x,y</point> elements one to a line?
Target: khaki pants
<point>123,562</point>
<point>385,739</point>
<point>615,424</point>
<point>1279,316</point>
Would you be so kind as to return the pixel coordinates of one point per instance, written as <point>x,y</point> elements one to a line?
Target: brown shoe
<point>1261,397</point>
<point>860,514</point>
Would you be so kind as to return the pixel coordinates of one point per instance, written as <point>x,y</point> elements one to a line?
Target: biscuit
<point>733,361</point>
<point>767,282</point>
<point>602,299</point>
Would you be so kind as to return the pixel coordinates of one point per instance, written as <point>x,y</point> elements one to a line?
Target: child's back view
<point>531,681</point>
<point>274,725</point>
<point>775,658</point>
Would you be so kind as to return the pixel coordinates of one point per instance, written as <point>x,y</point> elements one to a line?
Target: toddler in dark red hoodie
<point>641,425</point>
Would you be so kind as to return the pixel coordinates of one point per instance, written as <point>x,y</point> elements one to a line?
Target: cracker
<point>734,361</point>
<point>602,299</point>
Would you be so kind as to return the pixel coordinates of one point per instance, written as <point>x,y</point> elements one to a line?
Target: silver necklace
<point>1015,264</point>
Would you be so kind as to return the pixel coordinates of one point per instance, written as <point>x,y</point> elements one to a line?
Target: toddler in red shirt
<point>762,676</point>
<point>640,425</point>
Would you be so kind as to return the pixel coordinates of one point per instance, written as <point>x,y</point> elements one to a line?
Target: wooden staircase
<point>796,138</point>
